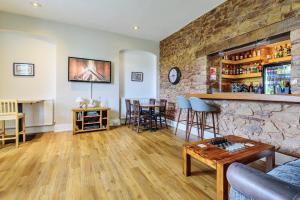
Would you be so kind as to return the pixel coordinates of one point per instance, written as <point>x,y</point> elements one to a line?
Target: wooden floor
<point>115,164</point>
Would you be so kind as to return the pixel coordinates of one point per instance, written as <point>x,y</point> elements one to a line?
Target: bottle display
<point>255,70</point>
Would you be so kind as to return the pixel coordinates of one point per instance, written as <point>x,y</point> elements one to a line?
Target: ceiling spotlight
<point>136,28</point>
<point>36,4</point>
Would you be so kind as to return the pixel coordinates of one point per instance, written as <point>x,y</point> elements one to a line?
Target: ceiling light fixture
<point>136,28</point>
<point>36,4</point>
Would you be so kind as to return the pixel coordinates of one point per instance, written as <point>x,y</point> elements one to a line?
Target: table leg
<point>222,184</point>
<point>270,162</point>
<point>186,163</point>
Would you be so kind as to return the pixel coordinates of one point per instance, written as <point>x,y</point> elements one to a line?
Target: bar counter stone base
<point>272,123</point>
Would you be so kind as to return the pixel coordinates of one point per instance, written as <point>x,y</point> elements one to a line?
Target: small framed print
<point>137,76</point>
<point>23,69</point>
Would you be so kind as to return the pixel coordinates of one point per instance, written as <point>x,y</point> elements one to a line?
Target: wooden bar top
<point>289,98</point>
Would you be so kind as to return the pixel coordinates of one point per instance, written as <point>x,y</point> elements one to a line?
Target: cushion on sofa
<point>289,172</point>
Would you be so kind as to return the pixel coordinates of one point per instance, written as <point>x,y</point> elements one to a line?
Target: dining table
<point>151,108</point>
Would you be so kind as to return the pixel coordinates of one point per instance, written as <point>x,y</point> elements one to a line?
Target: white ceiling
<point>157,19</point>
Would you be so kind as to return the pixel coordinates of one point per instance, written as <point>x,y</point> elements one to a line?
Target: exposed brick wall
<point>233,23</point>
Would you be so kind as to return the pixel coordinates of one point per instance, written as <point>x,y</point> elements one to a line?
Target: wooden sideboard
<point>90,119</point>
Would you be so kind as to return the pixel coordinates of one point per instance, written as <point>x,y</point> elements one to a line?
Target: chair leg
<point>189,133</point>
<point>24,129</point>
<point>198,124</point>
<point>138,125</point>
<point>160,121</point>
<point>187,124</point>
<point>17,132</point>
<point>214,125</point>
<point>180,110</point>
<point>3,134</point>
<point>166,121</point>
<point>126,120</point>
<point>203,125</point>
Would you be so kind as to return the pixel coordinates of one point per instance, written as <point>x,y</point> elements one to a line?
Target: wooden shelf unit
<point>278,60</point>
<point>242,76</point>
<point>247,60</point>
<point>83,121</point>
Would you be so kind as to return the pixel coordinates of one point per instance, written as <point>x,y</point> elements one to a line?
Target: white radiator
<point>37,114</point>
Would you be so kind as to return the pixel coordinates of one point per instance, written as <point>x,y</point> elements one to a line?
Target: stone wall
<point>231,24</point>
<point>273,123</point>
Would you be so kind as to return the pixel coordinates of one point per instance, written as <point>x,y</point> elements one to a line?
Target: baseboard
<point>63,127</point>
<point>32,130</point>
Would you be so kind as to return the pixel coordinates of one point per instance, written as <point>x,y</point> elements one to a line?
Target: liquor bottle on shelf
<point>275,53</point>
<point>253,53</point>
<point>251,87</point>
<point>285,50</point>
<point>258,53</point>
<point>288,53</point>
<point>260,67</point>
<point>249,54</point>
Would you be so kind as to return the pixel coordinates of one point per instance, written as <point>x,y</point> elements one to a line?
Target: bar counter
<point>289,98</point>
<point>272,119</point>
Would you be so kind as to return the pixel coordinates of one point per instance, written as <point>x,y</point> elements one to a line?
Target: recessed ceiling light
<point>136,28</point>
<point>36,4</point>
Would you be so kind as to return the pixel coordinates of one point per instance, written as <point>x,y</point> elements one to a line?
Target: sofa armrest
<point>258,185</point>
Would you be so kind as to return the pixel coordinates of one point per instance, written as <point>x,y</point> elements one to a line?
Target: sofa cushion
<point>289,172</point>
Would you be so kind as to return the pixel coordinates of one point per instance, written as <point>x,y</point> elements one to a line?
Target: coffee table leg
<point>222,184</point>
<point>186,163</point>
<point>270,161</point>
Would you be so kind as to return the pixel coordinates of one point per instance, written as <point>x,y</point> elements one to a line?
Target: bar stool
<point>200,107</point>
<point>183,104</point>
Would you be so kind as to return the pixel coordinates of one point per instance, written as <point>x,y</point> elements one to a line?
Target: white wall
<point>23,48</point>
<point>137,61</point>
<point>79,42</point>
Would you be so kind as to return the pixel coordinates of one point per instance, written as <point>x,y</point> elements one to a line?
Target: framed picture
<point>89,70</point>
<point>137,76</point>
<point>23,69</point>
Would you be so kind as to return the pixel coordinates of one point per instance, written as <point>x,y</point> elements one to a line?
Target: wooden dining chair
<point>138,115</point>
<point>162,112</point>
<point>152,101</point>
<point>9,111</point>
<point>129,112</point>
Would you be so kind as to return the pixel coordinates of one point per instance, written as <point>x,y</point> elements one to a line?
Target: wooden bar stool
<point>9,111</point>
<point>183,104</point>
<point>199,107</point>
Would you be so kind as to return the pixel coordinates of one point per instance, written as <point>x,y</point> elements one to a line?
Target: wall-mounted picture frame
<point>137,76</point>
<point>23,69</point>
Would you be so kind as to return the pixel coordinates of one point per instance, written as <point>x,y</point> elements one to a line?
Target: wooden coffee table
<point>220,159</point>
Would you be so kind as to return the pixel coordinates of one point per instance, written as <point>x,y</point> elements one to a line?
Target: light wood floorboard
<point>115,164</point>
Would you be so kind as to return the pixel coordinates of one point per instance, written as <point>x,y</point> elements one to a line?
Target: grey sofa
<point>282,183</point>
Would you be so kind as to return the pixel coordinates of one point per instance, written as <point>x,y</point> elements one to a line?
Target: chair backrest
<point>163,105</point>
<point>152,101</point>
<point>199,105</point>
<point>182,102</point>
<point>136,107</point>
<point>8,107</point>
<point>128,106</point>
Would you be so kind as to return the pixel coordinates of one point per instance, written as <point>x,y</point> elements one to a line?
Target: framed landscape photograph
<point>89,70</point>
<point>137,76</point>
<point>23,69</point>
